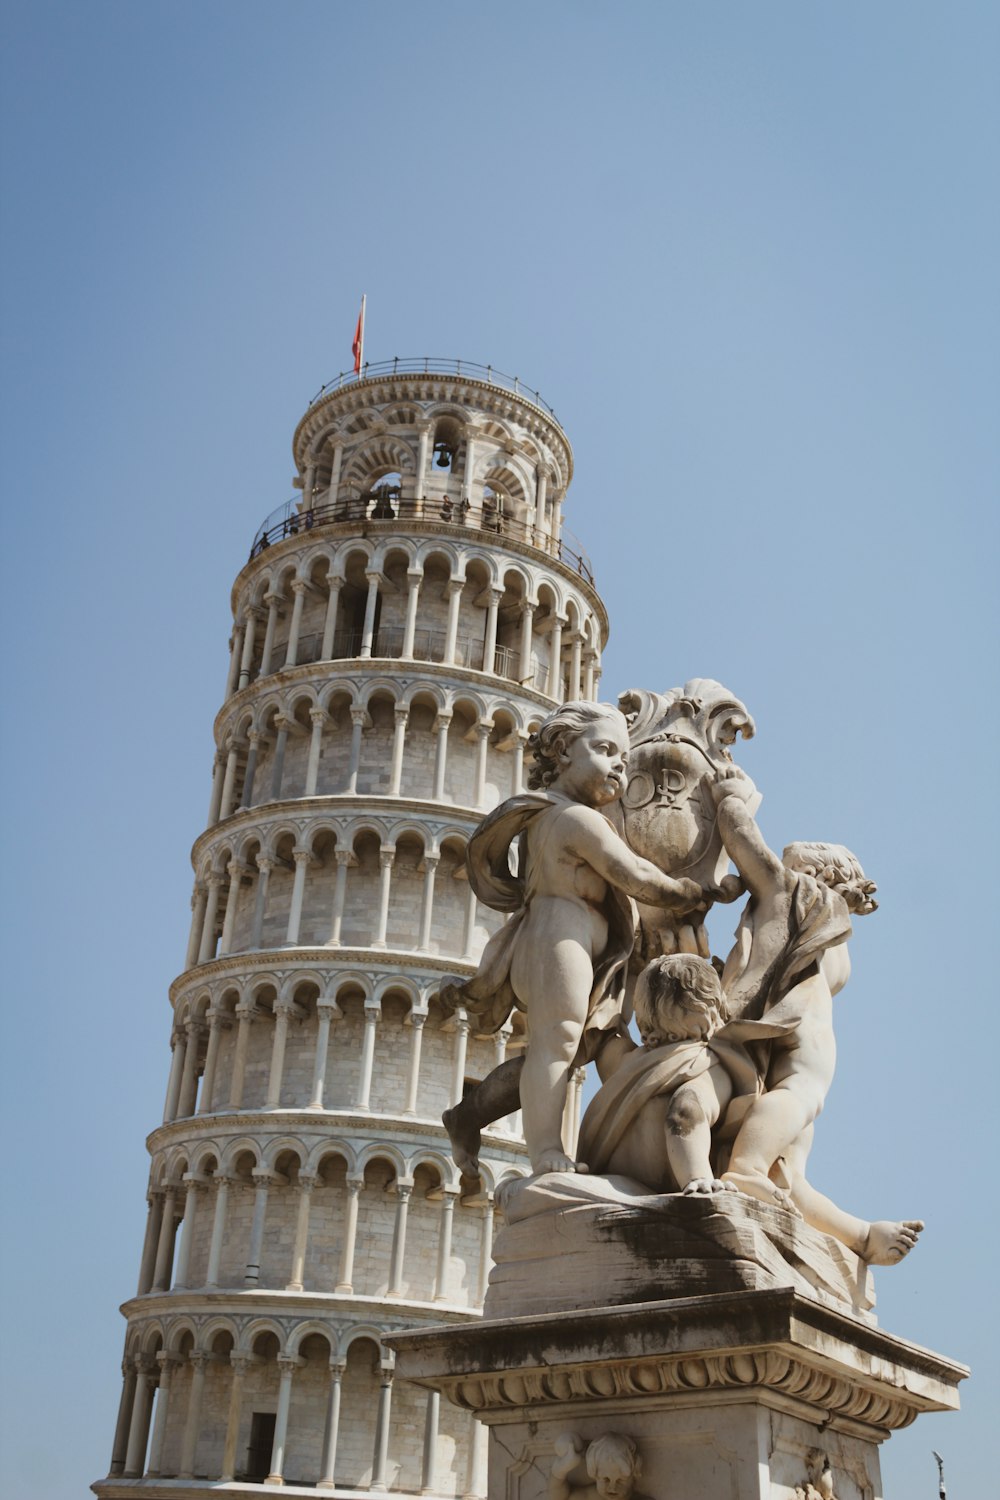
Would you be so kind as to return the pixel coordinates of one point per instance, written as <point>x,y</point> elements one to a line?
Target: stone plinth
<point>570,1241</point>
<point>727,1395</point>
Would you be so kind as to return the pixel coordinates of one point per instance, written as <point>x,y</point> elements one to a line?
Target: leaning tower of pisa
<point>399,628</point>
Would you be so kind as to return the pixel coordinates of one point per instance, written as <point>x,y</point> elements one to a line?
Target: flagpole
<point>361,354</point>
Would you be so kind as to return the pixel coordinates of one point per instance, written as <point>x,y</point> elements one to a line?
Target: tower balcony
<point>384,509</point>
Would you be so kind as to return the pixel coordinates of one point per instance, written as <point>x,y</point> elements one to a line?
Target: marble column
<point>490,642</point>
<point>229,780</point>
<point>199,900</point>
<point>283,1012</point>
<point>168,1363</point>
<point>470,464</point>
<point>236,872</point>
<point>372,1018</point>
<point>345,859</point>
<point>178,1048</point>
<point>432,1419</point>
<point>198,1362</point>
<point>241,1363</point>
<point>444,1244</point>
<point>306,1183</point>
<point>381,1455</point>
<point>190,1184</point>
<point>327,1011</point>
<point>142,1408</point>
<point>329,1462</point>
<point>308,480</point>
<point>368,631</point>
<point>423,451</point>
<point>338,459</point>
<point>274,603</point>
<point>485,1252</point>
<point>469,934</point>
<point>207,950</point>
<point>303,858</point>
<point>119,1447</point>
<point>554,684</point>
<point>320,718</point>
<point>150,1241</point>
<point>165,1245</point>
<point>265,866</point>
<point>246,657</point>
<point>401,714</point>
<point>345,1280</point>
<point>475,1474</point>
<point>414,579</point>
<point>483,732</point>
<point>300,588</point>
<point>431,862</point>
<point>215,796</point>
<point>455,587</point>
<point>589,663</point>
<point>462,1027</point>
<point>189,1075</point>
<point>283,725</point>
<point>330,621</point>
<point>541,499</point>
<point>397,1257</point>
<point>524,669</point>
<point>416,1020</point>
<point>359,718</point>
<point>218,1021</point>
<point>517,766</point>
<point>246,1013</point>
<point>235,656</point>
<point>262,1181</point>
<point>576,650</point>
<point>386,859</point>
<point>218,1229</point>
<point>441,759</point>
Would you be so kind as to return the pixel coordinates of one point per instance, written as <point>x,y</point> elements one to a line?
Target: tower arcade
<point>399,629</point>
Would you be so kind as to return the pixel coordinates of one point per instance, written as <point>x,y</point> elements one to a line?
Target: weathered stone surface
<point>727,1396</point>
<point>572,1241</point>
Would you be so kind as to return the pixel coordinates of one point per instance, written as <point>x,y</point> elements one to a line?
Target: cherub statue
<point>561,956</point>
<point>789,961</point>
<point>613,1464</point>
<point>652,1119</point>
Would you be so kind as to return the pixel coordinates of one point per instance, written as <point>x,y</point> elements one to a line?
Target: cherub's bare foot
<point>889,1240</point>
<point>555,1161</point>
<point>761,1188</point>
<point>708,1185</point>
<point>465,1140</point>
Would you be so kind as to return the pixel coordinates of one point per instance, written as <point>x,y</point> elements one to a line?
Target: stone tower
<point>399,629</point>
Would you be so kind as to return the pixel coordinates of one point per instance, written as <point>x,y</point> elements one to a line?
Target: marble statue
<point>652,1120</point>
<point>625,841</point>
<point>613,1466</point>
<point>562,954</point>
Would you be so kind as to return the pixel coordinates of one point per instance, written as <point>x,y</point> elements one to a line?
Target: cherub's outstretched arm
<point>759,866</point>
<point>590,837</point>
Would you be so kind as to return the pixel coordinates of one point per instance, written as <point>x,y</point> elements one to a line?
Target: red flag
<point>358,347</point>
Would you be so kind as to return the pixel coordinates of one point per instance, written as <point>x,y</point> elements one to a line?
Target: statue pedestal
<point>727,1395</point>
<point>774,1366</point>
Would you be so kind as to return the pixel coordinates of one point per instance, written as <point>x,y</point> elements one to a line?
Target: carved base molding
<point>729,1395</point>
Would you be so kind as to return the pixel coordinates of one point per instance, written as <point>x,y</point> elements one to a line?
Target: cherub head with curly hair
<point>551,744</point>
<point>836,867</point>
<point>679,998</point>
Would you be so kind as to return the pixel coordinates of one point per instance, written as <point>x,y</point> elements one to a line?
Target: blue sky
<point>749,255</point>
